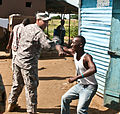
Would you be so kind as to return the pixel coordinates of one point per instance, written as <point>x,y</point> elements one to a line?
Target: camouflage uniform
<point>2,96</point>
<point>33,39</point>
<point>15,43</point>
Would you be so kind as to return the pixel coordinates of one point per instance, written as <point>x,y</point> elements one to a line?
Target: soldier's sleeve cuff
<point>57,40</point>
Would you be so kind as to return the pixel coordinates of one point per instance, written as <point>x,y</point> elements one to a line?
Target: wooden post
<point>79,17</point>
<point>69,32</point>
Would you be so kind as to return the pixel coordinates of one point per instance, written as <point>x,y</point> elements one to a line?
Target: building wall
<point>95,26</point>
<point>23,7</point>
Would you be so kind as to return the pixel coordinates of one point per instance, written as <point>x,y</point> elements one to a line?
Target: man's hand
<point>60,50</point>
<point>72,79</point>
<point>8,47</point>
<point>62,53</point>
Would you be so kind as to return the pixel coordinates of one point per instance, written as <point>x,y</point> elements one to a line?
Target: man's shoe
<point>12,107</point>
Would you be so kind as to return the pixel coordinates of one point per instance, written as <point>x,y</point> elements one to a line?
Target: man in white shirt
<point>86,86</point>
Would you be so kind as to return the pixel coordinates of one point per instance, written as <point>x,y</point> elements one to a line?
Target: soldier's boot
<point>12,107</point>
<point>34,110</point>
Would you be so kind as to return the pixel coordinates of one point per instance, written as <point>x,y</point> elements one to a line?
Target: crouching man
<point>86,86</point>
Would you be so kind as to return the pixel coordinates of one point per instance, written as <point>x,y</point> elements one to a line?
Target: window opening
<point>0,2</point>
<point>103,3</point>
<point>28,4</point>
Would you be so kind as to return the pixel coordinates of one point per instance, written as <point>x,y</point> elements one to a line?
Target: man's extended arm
<point>60,50</point>
<point>69,51</point>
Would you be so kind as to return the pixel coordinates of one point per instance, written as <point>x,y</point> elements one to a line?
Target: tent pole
<point>69,32</point>
<point>47,30</point>
<point>79,18</point>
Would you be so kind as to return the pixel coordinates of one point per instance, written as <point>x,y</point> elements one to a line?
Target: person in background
<point>60,31</point>
<point>32,41</point>
<point>86,86</point>
<point>15,36</point>
<point>2,96</point>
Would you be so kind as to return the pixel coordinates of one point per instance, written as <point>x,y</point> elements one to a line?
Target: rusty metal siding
<point>95,27</point>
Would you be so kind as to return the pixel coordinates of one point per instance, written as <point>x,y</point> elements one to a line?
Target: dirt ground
<point>53,75</point>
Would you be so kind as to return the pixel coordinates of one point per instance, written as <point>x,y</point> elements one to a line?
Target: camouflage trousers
<point>29,78</point>
<point>2,96</point>
<point>13,59</point>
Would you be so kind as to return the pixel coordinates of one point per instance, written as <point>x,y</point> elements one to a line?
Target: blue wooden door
<point>112,85</point>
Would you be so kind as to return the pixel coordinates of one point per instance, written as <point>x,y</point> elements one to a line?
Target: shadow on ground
<point>52,57</point>
<point>72,111</point>
<point>52,78</point>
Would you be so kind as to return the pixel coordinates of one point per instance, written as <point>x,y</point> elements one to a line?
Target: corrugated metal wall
<point>95,26</point>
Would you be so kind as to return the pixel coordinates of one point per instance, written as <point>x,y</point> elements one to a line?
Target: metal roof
<point>60,6</point>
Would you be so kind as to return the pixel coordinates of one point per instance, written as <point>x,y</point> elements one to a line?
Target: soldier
<point>33,39</point>
<point>2,96</point>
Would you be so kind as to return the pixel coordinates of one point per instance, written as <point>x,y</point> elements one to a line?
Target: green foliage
<point>74,16</point>
<point>73,31</point>
<point>56,17</point>
<point>49,36</point>
<point>73,27</point>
